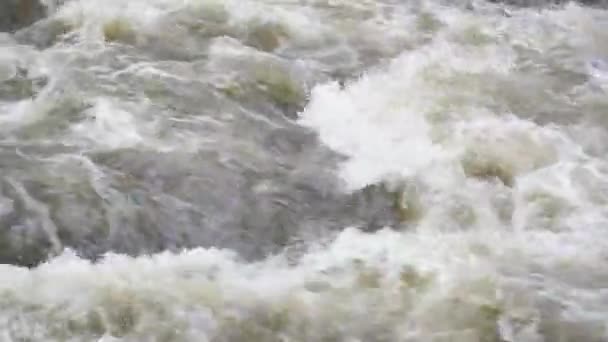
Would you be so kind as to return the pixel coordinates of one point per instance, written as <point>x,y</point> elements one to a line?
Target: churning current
<point>303,171</point>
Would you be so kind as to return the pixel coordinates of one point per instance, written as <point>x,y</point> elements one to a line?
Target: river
<point>305,170</point>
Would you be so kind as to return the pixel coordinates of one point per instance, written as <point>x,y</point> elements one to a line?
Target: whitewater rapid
<point>305,170</point>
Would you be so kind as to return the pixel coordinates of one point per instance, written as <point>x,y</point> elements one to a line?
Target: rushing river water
<point>305,170</point>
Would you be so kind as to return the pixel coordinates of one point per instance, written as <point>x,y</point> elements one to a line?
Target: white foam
<point>510,237</point>
<point>431,119</point>
<point>109,126</point>
<point>385,121</point>
<point>356,283</point>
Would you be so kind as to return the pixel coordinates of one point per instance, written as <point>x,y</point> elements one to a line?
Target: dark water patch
<point>21,85</point>
<point>16,14</point>
<point>137,202</point>
<point>23,239</point>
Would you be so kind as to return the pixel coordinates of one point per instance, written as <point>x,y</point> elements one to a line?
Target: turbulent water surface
<point>305,170</point>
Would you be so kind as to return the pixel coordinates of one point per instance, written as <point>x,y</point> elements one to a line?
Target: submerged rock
<point>17,14</point>
<point>119,30</point>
